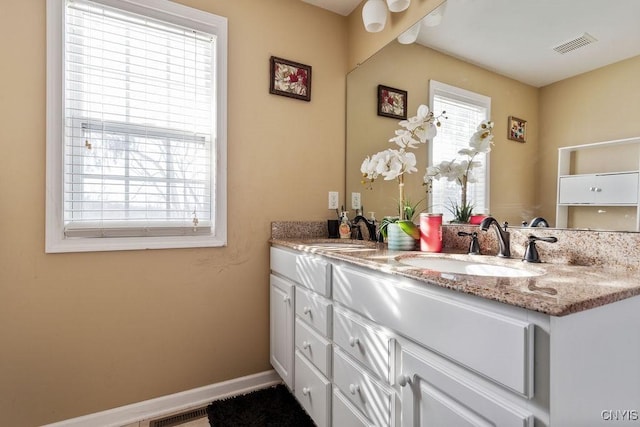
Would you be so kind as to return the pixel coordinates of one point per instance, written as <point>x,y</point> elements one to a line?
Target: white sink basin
<point>342,246</point>
<point>456,266</point>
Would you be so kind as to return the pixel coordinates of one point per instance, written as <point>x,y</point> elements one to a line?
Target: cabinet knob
<point>598,189</point>
<point>354,388</point>
<point>403,380</point>
<point>592,188</point>
<point>306,345</point>
<point>286,298</point>
<point>306,310</point>
<point>353,341</point>
<point>306,391</point>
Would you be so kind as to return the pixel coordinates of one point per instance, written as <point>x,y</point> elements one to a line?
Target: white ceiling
<point>516,38</point>
<point>342,7</point>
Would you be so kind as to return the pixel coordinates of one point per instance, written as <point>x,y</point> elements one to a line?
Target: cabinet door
<point>617,189</point>
<point>431,396</point>
<point>281,328</point>
<point>577,189</point>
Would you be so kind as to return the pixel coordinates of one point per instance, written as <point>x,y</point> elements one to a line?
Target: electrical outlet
<point>333,199</point>
<point>355,201</point>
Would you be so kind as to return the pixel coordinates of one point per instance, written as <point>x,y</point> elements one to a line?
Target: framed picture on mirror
<point>289,78</point>
<point>392,102</point>
<point>517,129</point>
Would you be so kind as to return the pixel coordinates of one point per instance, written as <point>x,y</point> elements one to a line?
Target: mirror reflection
<point>587,95</point>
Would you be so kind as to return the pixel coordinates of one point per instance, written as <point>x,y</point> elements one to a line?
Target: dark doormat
<point>272,407</point>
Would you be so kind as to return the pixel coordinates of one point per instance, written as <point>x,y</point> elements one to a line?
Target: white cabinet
<point>301,327</point>
<point>281,326</point>
<point>385,350</point>
<point>599,189</point>
<point>433,396</point>
<point>606,186</point>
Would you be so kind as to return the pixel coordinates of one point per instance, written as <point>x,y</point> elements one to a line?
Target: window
<point>465,110</point>
<point>136,126</point>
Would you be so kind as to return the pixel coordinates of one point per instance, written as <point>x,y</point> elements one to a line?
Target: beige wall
<point>86,332</point>
<point>410,68</point>
<point>601,105</point>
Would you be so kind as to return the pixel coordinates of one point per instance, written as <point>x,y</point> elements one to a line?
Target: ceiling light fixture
<point>374,15</point>
<point>398,5</point>
<point>411,35</point>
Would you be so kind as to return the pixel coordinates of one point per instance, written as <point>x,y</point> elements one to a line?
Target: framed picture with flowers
<point>517,130</point>
<point>392,102</point>
<point>289,78</point>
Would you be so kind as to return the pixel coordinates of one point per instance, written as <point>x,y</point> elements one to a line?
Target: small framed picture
<point>392,102</point>
<point>289,78</point>
<point>517,130</point>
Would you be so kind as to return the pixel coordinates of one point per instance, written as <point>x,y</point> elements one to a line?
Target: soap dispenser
<point>345,228</point>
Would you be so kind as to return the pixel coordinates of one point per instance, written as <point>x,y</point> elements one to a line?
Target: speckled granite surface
<point>583,270</point>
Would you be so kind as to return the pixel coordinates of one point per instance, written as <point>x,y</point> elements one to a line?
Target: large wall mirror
<point>504,49</point>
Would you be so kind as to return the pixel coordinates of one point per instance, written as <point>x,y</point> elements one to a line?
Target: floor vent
<point>181,418</point>
<point>577,43</point>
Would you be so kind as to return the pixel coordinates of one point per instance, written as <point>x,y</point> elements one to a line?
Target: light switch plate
<point>333,199</point>
<point>355,201</point>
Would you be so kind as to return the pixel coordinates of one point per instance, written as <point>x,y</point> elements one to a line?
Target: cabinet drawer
<point>362,390</point>
<point>310,271</point>
<point>313,391</point>
<point>314,273</point>
<point>314,309</point>
<point>283,262</point>
<point>314,347</point>
<point>365,343</point>
<point>494,345</point>
<point>345,414</point>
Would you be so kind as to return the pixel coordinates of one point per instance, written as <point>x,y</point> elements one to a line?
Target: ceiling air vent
<point>576,43</point>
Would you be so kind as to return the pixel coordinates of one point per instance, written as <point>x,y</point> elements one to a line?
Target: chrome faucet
<point>371,227</point>
<point>503,235</point>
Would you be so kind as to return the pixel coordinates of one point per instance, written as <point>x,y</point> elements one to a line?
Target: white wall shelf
<point>605,188</point>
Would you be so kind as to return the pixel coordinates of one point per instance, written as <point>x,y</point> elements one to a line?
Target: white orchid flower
<point>404,139</point>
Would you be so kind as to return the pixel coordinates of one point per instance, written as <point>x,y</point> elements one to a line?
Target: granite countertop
<point>560,290</point>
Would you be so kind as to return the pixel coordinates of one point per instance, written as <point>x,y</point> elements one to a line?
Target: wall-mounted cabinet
<point>601,188</point>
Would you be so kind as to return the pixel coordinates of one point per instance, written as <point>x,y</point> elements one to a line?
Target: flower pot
<point>398,240</point>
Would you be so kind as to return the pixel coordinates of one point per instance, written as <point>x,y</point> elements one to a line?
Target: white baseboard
<point>173,403</point>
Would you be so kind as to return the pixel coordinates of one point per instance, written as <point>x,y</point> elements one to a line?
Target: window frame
<point>55,240</point>
<point>436,87</point>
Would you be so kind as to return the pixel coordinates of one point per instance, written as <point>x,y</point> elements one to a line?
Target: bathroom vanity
<point>365,339</point>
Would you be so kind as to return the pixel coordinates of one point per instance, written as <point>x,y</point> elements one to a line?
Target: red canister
<point>431,232</point>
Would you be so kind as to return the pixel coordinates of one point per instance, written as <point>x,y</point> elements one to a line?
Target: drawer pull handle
<point>306,391</point>
<point>354,388</point>
<point>306,345</point>
<point>353,341</point>
<point>403,380</point>
<point>306,310</point>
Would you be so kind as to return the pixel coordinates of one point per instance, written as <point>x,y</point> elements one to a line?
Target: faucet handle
<point>474,246</point>
<point>531,252</point>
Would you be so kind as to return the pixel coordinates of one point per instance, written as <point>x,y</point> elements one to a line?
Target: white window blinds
<point>139,125</point>
<point>465,110</point>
